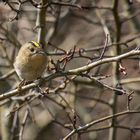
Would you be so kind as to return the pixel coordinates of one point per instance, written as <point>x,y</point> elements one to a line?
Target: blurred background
<point>91,30</point>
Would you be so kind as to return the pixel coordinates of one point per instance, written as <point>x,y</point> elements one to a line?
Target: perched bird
<point>30,62</point>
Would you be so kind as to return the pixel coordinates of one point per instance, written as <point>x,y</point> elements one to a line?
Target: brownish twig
<point>23,124</point>
<point>105,46</point>
<point>88,125</point>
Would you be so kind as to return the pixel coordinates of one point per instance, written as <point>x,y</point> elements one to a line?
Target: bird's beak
<point>41,52</point>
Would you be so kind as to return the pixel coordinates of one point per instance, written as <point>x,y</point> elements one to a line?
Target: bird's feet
<point>21,84</point>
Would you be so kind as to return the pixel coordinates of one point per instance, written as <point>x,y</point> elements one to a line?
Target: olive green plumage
<point>30,62</point>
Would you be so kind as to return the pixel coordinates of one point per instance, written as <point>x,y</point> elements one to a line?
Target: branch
<point>80,6</point>
<point>88,125</point>
<point>5,76</point>
<point>103,61</point>
<point>76,71</point>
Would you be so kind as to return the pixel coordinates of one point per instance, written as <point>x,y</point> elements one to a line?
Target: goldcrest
<point>30,62</point>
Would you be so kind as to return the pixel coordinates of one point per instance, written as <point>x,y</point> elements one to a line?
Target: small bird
<point>30,62</point>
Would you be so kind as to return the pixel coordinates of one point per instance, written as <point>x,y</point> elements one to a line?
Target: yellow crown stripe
<point>35,44</point>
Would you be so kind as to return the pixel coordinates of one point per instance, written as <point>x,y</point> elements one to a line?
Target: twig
<point>98,47</point>
<point>7,75</point>
<point>88,125</point>
<point>104,49</point>
<point>14,125</point>
<point>81,7</point>
<point>105,60</point>
<point>23,124</point>
<point>129,99</point>
<point>76,71</point>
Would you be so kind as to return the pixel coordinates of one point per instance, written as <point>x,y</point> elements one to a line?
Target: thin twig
<point>104,49</point>
<point>76,71</point>
<point>7,75</point>
<point>23,124</point>
<point>88,125</point>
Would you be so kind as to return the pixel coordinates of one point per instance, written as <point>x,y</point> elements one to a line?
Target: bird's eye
<point>32,49</point>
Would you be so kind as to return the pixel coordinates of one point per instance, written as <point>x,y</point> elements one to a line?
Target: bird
<point>30,62</point>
